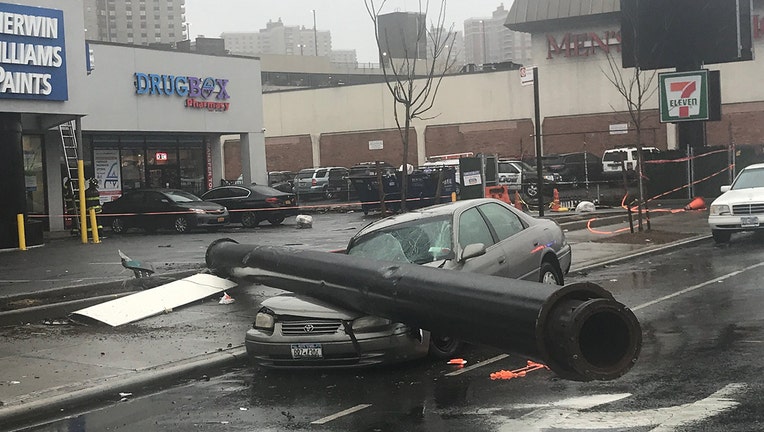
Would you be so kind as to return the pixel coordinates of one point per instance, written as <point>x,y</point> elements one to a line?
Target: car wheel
<point>118,226</point>
<point>328,194</point>
<point>721,236</point>
<point>443,347</point>
<point>249,220</point>
<point>181,225</point>
<point>531,190</point>
<point>276,220</point>
<point>550,274</point>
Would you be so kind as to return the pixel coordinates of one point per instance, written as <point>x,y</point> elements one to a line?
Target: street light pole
<point>315,33</point>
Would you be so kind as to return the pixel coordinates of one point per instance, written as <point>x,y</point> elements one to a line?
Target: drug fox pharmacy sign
<point>684,96</point>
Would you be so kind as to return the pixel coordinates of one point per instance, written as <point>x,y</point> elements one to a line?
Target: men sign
<point>683,96</point>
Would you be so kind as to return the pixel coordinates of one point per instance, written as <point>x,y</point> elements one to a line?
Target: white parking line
<point>340,414</point>
<point>477,365</point>
<point>695,287</point>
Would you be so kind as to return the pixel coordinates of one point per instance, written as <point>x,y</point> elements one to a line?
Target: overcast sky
<point>348,20</point>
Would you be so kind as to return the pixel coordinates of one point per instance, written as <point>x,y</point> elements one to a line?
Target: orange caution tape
<point>518,373</point>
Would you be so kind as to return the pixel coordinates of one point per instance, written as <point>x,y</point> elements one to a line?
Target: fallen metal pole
<point>580,331</point>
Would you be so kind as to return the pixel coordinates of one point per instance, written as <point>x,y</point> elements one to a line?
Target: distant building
<point>139,22</point>
<point>487,40</point>
<point>278,39</point>
<point>344,57</point>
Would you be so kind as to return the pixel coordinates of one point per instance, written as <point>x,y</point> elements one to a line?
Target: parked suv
<point>575,167</point>
<point>611,160</point>
<point>326,182</point>
<point>518,175</point>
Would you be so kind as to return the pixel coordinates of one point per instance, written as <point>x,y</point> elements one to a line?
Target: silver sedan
<point>482,236</point>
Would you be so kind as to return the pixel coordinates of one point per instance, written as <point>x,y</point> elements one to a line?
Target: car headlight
<point>370,323</point>
<point>264,320</point>
<point>196,210</point>
<point>549,177</point>
<point>720,209</point>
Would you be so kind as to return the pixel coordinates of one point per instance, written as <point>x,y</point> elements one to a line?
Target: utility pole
<point>485,47</point>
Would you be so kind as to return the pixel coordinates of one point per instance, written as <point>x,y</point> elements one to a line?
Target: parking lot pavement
<point>53,365</point>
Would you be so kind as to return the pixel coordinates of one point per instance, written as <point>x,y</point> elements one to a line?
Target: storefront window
<point>153,161</point>
<point>133,166</point>
<point>33,174</point>
<point>162,160</point>
<point>193,170</point>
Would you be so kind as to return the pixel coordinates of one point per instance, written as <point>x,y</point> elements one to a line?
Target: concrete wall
<point>492,112</point>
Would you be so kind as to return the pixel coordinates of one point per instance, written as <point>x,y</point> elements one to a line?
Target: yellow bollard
<point>94,225</point>
<point>22,234</point>
<point>453,196</point>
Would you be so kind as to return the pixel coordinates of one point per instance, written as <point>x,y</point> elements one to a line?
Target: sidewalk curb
<point>645,252</point>
<point>53,406</point>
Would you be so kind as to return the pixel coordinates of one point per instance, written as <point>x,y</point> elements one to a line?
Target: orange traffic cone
<point>556,200</point>
<point>518,201</point>
<point>696,204</point>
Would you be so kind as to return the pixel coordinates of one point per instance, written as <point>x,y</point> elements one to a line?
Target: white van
<point>611,160</point>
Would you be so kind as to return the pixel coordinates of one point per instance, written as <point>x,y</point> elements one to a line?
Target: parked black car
<point>282,180</point>
<point>575,167</point>
<point>252,204</point>
<point>151,209</point>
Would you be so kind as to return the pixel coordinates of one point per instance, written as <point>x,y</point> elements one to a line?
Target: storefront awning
<point>539,15</point>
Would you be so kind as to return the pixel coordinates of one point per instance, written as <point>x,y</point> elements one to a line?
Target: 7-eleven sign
<point>684,96</point>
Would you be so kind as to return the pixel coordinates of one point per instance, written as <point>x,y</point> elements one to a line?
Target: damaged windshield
<point>419,242</point>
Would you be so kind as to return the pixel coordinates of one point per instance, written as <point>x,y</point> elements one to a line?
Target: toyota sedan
<point>482,236</point>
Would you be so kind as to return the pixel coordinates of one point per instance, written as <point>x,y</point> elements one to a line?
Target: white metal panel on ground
<point>156,300</point>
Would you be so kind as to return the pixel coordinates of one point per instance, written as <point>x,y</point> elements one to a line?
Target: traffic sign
<point>526,75</point>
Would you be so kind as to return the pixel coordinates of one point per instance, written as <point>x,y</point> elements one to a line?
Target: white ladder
<point>69,145</point>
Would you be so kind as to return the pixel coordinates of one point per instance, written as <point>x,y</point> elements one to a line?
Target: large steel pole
<point>13,190</point>
<point>580,331</point>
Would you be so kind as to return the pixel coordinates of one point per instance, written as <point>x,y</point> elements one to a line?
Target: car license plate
<point>749,221</point>
<point>221,219</point>
<point>312,350</point>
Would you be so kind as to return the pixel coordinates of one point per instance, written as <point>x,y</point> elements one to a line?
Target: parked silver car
<point>482,236</point>
<point>327,182</point>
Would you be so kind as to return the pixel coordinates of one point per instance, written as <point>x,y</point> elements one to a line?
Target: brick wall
<point>505,138</point>
<point>291,153</point>
<point>348,149</point>
<point>592,133</point>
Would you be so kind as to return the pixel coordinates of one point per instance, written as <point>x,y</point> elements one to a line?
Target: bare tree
<point>412,81</point>
<point>636,86</point>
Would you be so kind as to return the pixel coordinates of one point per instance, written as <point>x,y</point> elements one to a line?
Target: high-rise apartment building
<point>487,40</point>
<point>140,22</point>
<point>276,38</point>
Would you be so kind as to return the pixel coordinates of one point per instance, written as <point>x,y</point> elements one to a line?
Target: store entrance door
<point>164,176</point>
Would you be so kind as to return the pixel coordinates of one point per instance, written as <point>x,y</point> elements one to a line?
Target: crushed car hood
<point>295,305</point>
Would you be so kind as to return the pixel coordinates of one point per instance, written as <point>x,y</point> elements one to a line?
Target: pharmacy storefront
<point>146,117</point>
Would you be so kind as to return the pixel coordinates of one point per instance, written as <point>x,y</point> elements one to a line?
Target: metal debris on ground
<point>140,269</point>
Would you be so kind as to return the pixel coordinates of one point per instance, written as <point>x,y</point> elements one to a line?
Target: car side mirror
<point>472,250</point>
<point>725,188</point>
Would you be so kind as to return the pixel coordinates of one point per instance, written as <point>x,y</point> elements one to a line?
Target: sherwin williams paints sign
<point>32,53</point>
<point>683,96</point>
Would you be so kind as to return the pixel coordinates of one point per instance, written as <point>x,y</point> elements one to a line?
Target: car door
<point>519,243</point>
<point>509,174</point>
<point>473,228</point>
<point>159,210</point>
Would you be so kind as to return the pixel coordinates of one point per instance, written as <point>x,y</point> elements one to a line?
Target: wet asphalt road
<point>700,369</point>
